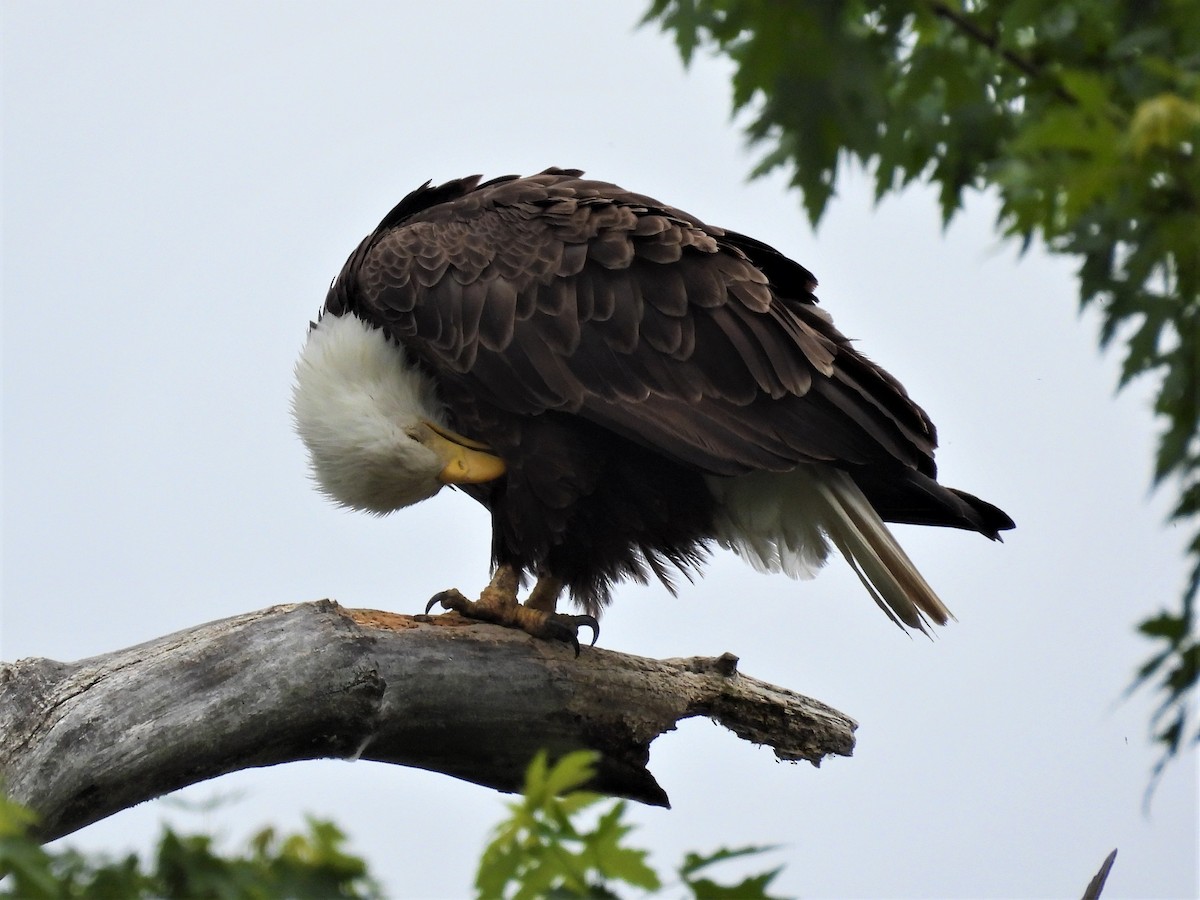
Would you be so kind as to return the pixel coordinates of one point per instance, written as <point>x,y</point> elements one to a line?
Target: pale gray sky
<point>181,182</point>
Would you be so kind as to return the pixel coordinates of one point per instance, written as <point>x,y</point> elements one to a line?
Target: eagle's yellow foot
<point>498,604</point>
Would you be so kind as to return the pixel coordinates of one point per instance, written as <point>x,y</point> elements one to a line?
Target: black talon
<point>589,622</point>
<point>566,628</point>
<point>434,601</point>
<point>450,599</point>
<point>578,622</point>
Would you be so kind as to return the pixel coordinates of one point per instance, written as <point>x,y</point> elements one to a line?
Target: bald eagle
<point>621,386</point>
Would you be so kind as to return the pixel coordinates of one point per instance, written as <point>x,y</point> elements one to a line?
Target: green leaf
<point>1166,626</point>
<point>695,862</point>
<point>28,867</point>
<point>753,887</point>
<point>571,771</point>
<point>606,854</point>
<point>16,821</point>
<point>1164,122</point>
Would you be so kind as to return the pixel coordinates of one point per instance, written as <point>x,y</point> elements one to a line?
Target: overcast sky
<point>181,182</point>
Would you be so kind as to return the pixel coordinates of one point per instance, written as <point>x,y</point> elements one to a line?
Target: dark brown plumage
<point>619,355</point>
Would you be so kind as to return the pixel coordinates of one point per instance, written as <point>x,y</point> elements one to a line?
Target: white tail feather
<point>877,559</point>
<point>779,522</point>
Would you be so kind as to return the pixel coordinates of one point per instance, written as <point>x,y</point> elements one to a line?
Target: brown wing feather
<point>558,293</point>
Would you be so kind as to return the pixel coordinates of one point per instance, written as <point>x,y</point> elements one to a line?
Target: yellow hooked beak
<point>464,461</point>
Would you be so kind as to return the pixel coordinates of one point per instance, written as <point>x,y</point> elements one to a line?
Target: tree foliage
<point>310,865</point>
<point>1082,117</point>
<point>543,849</point>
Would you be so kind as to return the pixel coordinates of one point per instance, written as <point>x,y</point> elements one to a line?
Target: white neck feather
<point>355,400</point>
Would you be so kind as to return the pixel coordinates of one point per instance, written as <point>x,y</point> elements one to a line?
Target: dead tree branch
<point>81,741</point>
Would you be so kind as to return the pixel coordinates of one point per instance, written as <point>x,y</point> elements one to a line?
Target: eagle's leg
<point>545,593</point>
<point>498,604</point>
<point>500,595</point>
<point>496,601</point>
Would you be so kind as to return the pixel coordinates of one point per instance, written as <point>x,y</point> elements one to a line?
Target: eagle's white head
<point>372,422</point>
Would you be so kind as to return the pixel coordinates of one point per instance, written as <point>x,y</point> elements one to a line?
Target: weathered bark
<point>80,741</point>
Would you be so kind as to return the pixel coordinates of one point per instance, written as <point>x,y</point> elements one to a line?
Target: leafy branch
<point>1083,118</point>
<point>307,865</point>
<point>542,850</point>
<point>992,42</point>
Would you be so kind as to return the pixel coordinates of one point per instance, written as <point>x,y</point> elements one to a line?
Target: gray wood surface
<point>80,741</point>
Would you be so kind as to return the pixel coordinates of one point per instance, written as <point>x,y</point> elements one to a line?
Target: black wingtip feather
<point>992,519</point>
